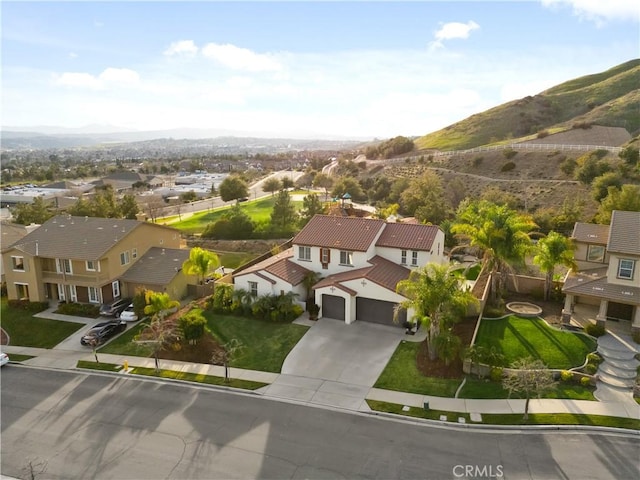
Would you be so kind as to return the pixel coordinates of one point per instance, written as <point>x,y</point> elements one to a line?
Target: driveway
<point>336,364</point>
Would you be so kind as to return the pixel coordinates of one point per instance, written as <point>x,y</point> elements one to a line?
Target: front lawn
<point>477,388</point>
<point>28,331</point>
<point>123,344</point>
<point>517,337</point>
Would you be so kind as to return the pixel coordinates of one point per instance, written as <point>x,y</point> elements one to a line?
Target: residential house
<point>80,259</point>
<point>124,180</point>
<point>361,260</point>
<point>9,234</point>
<point>608,273</point>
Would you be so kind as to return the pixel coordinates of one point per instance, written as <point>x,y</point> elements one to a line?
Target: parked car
<point>128,314</point>
<point>4,359</point>
<point>103,331</point>
<point>113,309</point>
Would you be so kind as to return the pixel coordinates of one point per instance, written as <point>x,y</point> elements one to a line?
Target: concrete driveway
<point>336,364</point>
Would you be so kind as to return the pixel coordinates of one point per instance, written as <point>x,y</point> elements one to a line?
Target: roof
<point>383,272</point>
<point>594,283</point>
<point>280,266</point>
<point>11,233</point>
<point>344,233</point>
<point>624,234</point>
<point>408,236</point>
<point>590,233</point>
<point>157,267</point>
<point>77,238</point>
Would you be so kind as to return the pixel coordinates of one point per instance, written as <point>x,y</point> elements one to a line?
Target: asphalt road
<point>75,425</point>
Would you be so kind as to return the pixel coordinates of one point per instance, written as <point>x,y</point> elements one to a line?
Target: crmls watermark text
<point>478,471</point>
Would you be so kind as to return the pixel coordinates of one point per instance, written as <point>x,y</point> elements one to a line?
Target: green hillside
<point>610,98</point>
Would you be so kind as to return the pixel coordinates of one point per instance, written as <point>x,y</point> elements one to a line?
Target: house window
<point>346,258</point>
<point>63,265</point>
<point>304,253</point>
<point>134,253</point>
<point>18,263</point>
<point>115,287</point>
<point>324,255</point>
<point>61,292</point>
<point>625,268</point>
<point>93,265</point>
<point>94,295</point>
<point>124,258</point>
<point>73,293</point>
<point>595,253</point>
<point>22,290</point>
<point>253,289</point>
<point>403,257</point>
<point>414,258</point>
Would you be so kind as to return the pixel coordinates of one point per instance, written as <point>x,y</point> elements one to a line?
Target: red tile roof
<point>408,236</point>
<point>280,266</point>
<point>344,233</point>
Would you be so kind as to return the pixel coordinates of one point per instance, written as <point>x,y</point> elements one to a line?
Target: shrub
<point>477,161</point>
<point>139,302</point>
<point>193,325</point>
<point>507,167</point>
<point>568,166</point>
<point>566,375</point>
<point>509,153</point>
<point>26,305</point>
<point>79,310</point>
<point>543,133</point>
<point>496,374</point>
<point>594,329</point>
<point>493,311</point>
<point>585,381</point>
<point>582,125</point>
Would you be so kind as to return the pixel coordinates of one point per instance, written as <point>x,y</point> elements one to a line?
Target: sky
<point>305,69</point>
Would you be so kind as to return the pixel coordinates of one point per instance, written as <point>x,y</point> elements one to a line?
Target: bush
<point>594,330</point>
<point>193,325</point>
<point>507,167</point>
<point>494,311</point>
<point>477,161</point>
<point>509,153</point>
<point>566,375</point>
<point>585,381</point>
<point>79,310</point>
<point>543,133</point>
<point>27,306</point>
<point>496,374</point>
<point>139,302</point>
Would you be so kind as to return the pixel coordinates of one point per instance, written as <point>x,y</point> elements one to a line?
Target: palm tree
<point>436,297</point>
<point>501,233</point>
<point>309,280</point>
<point>554,249</point>
<point>158,332</point>
<point>201,262</point>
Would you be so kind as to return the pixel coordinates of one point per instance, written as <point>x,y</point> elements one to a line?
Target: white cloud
<point>600,11</point>
<point>73,55</point>
<point>238,58</point>
<point>82,80</point>
<point>182,47</point>
<point>453,30</point>
<point>110,77</point>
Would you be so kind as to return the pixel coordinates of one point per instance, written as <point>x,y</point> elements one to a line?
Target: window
<point>414,258</point>
<point>625,268</point>
<point>304,253</point>
<point>94,295</point>
<point>18,263</point>
<point>63,265</point>
<point>346,258</point>
<point>253,289</point>
<point>115,287</point>
<point>22,290</point>
<point>61,292</point>
<point>324,255</point>
<point>93,265</point>
<point>595,253</point>
<point>73,293</point>
<point>403,257</point>
<point>134,253</point>
<point>124,258</point>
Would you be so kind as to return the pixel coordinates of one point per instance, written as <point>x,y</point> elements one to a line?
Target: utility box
<point>426,405</point>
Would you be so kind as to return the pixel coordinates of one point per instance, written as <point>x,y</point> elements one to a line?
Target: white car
<point>128,315</point>
<point>4,359</point>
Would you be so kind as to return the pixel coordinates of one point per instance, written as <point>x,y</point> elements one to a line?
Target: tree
<point>36,212</point>
<point>226,355</point>
<point>271,185</point>
<point>311,205</point>
<point>233,188</point>
<point>129,207</point>
<point>235,225</point>
<point>287,183</point>
<point>554,249</point>
<point>601,184</point>
<point>158,333</point>
<point>283,215</point>
<point>309,280</point>
<point>201,263</point>
<point>425,198</point>
<point>501,233</point>
<point>529,378</point>
<point>436,297</point>
<point>189,196</point>
<point>193,325</point>
<point>351,186</point>
<point>324,181</point>
<point>627,198</point>
<point>631,155</point>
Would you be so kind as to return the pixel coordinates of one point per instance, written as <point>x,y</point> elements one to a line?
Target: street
<point>76,425</point>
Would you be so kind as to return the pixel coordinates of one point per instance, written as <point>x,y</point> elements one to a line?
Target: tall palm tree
<point>435,295</point>
<point>554,249</point>
<point>501,233</point>
<point>201,262</point>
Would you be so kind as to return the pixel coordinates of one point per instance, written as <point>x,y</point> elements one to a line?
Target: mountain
<point>610,98</point>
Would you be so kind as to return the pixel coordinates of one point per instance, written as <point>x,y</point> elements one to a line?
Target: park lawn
<point>517,338</point>
<point>26,330</point>
<point>266,344</point>
<point>486,389</point>
<point>402,374</point>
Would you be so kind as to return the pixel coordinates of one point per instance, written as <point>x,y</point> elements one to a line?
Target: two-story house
<point>608,273</point>
<point>361,261</point>
<point>80,259</point>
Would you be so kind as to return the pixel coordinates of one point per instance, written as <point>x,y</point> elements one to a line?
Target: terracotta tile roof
<point>157,267</point>
<point>383,272</point>
<point>624,235</point>
<point>594,283</point>
<point>280,266</point>
<point>590,233</point>
<point>345,233</point>
<point>408,236</point>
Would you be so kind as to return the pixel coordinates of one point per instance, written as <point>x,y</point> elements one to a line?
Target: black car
<point>115,308</point>
<point>103,331</point>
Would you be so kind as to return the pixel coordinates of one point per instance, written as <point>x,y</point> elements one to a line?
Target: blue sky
<point>359,69</point>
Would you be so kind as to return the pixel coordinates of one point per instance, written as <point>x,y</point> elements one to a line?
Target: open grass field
<point>517,338</point>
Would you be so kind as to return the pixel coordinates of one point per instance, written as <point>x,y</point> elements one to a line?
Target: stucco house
<point>608,273</point>
<point>80,259</point>
<point>359,260</point>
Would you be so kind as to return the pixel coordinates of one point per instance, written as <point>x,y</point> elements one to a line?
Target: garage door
<point>619,311</point>
<point>333,307</point>
<point>378,311</point>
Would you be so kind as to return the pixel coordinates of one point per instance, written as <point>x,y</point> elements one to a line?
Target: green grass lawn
<point>476,388</point>
<point>234,259</point>
<point>123,344</point>
<point>517,337</point>
<point>198,378</point>
<point>16,357</point>
<point>28,331</point>
<point>266,343</point>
